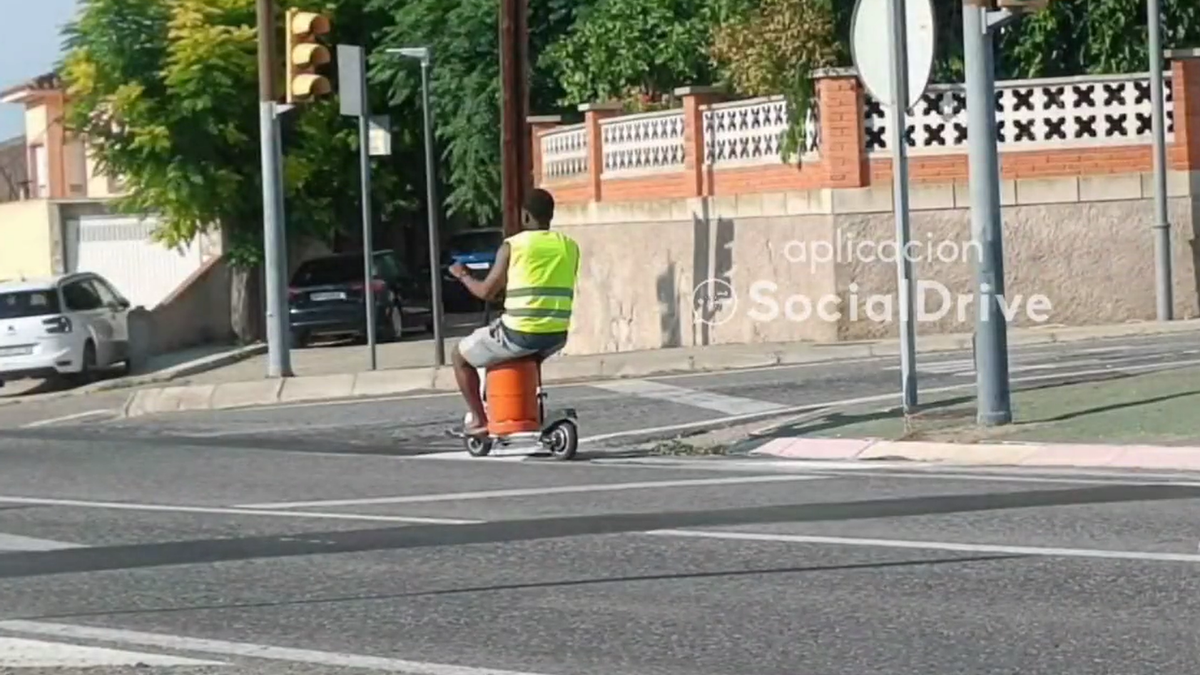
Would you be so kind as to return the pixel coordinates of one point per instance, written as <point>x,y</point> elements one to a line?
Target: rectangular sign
<point>351,89</point>
<point>380,135</point>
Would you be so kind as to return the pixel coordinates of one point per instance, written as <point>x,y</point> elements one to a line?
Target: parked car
<point>327,296</point>
<point>73,325</point>
<point>476,250</point>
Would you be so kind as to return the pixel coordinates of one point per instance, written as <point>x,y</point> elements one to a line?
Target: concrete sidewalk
<point>211,392</point>
<point>1045,455</point>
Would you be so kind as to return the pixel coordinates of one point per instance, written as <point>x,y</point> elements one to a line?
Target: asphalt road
<point>208,559</point>
<point>335,538</point>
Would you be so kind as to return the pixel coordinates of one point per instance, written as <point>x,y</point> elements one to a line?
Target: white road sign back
<point>871,47</point>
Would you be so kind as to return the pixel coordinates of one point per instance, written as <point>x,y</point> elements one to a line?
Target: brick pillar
<point>843,137</point>
<point>694,101</point>
<point>537,126</point>
<point>1185,151</point>
<point>592,114</point>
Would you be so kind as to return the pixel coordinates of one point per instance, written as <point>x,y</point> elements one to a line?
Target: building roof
<point>47,82</point>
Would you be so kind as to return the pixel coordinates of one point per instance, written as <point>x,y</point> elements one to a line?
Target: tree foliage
<point>166,93</point>
<point>639,51</point>
<point>465,85</point>
<point>774,49</point>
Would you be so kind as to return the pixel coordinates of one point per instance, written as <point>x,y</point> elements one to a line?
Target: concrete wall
<point>1085,244</point>
<point>26,239</point>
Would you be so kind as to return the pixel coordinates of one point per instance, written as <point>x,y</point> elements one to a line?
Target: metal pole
<point>364,160</point>
<point>435,254</point>
<point>274,236</point>
<point>904,263</point>
<point>991,354</point>
<point>512,113</point>
<point>1162,223</point>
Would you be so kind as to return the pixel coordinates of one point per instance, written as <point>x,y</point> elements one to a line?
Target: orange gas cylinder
<point>512,401</point>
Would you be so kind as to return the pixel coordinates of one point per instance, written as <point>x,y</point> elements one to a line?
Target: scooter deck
<point>462,435</point>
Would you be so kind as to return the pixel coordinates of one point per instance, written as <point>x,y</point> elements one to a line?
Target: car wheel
<point>87,370</point>
<point>394,328</point>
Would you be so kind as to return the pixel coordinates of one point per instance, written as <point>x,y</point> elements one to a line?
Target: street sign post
<point>352,92</point>
<point>893,45</point>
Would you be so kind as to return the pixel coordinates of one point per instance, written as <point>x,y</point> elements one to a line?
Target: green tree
<point>166,92</point>
<point>465,86</point>
<point>774,49</point>
<point>639,51</point>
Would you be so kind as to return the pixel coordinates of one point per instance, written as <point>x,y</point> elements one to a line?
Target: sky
<point>30,47</point>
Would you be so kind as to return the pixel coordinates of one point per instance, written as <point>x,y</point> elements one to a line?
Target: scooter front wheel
<point>477,446</point>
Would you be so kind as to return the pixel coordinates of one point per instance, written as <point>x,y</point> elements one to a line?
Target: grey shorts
<point>491,345</point>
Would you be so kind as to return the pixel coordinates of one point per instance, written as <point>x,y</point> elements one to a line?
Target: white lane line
<point>248,650</point>
<point>21,653</point>
<point>1143,556</point>
<point>68,418</point>
<point>166,508</point>
<point>15,542</point>
<point>536,492</point>
<point>730,405</point>
<point>878,398</point>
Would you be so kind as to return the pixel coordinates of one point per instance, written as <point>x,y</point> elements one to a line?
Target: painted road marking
<point>1141,556</point>
<point>730,405</point>
<point>21,653</point>
<point>215,510</point>
<point>536,492</point>
<point>68,418</point>
<point>247,650</point>
<point>15,542</point>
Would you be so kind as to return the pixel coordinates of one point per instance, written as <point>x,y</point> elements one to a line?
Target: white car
<point>72,325</point>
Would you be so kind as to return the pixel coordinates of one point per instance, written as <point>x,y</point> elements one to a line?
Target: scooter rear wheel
<point>562,440</point>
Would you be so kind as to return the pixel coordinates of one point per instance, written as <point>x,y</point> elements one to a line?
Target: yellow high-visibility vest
<point>542,269</point>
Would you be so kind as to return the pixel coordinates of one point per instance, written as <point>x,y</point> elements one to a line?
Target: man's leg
<point>468,385</point>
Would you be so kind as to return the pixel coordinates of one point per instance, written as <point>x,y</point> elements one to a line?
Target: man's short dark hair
<point>540,206</point>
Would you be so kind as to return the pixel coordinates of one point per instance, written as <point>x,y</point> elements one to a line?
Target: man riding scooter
<point>537,270</point>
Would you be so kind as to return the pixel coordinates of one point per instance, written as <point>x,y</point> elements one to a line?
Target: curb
<point>1043,455</point>
<point>182,370</point>
<point>617,366</point>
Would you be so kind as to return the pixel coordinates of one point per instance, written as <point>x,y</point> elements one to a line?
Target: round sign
<point>871,47</point>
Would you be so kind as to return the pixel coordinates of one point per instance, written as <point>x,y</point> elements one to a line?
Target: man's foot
<point>468,432</point>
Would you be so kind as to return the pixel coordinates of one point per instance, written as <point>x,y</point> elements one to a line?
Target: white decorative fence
<point>1048,114</point>
<point>565,153</point>
<point>749,133</point>
<point>640,144</point>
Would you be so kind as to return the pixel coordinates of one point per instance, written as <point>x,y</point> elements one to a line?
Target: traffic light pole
<point>274,246</point>
<point>991,331</point>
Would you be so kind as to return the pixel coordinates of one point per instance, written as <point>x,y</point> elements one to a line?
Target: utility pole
<point>1162,223</point>
<point>514,81</point>
<point>991,330</point>
<point>274,248</point>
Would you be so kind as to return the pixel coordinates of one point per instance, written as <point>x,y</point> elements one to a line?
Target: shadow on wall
<point>670,321</point>
<point>196,314</point>
<point>712,272</point>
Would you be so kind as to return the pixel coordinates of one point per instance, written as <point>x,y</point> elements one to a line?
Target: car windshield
<point>475,242</point>
<point>327,271</point>
<point>23,304</point>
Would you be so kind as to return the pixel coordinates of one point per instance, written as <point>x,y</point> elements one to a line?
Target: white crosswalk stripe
<point>24,653</point>
<point>730,405</point>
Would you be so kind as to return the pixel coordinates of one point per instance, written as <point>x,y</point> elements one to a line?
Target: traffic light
<point>305,54</point>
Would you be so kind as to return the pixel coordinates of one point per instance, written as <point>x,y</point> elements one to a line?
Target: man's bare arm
<point>496,279</point>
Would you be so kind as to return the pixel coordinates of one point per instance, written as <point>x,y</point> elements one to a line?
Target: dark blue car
<point>476,249</point>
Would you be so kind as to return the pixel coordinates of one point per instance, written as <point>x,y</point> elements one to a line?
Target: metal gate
<point>120,249</point>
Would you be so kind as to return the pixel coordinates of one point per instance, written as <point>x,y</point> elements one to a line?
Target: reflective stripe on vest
<point>541,281</point>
